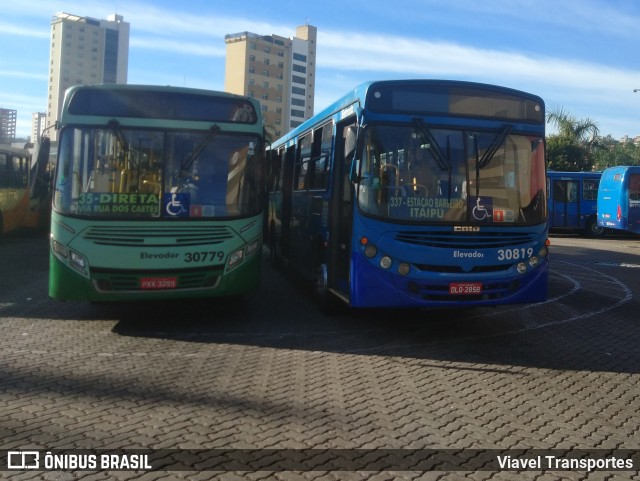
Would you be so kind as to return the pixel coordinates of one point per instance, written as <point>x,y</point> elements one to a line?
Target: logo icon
<point>23,460</point>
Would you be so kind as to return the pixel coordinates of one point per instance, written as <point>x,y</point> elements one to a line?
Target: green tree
<point>612,152</point>
<point>572,148</point>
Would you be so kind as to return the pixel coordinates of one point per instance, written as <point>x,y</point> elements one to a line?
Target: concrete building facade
<point>278,71</point>
<point>7,125</point>
<point>84,51</point>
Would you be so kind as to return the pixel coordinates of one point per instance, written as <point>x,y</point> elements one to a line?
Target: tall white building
<point>84,51</point>
<point>38,124</point>
<point>279,72</point>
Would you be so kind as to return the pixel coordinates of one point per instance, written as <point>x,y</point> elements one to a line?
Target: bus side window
<point>634,187</point>
<point>319,175</point>
<point>302,163</point>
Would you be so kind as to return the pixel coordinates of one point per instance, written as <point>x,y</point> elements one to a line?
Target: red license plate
<point>158,283</point>
<point>465,288</point>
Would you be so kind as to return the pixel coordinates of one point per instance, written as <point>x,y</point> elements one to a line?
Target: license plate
<point>158,283</point>
<point>465,288</point>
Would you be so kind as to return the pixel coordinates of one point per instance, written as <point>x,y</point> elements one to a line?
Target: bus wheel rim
<point>322,279</point>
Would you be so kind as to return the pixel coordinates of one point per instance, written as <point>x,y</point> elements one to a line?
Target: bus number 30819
<point>514,254</point>
<point>204,256</point>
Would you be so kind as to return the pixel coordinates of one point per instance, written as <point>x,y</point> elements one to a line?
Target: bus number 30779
<point>204,256</point>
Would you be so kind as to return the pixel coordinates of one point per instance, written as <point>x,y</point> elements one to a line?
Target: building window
<point>298,80</point>
<point>299,68</point>
<point>297,102</point>
<point>298,90</point>
<point>300,57</point>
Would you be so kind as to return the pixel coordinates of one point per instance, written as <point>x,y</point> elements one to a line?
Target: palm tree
<point>571,149</point>
<point>582,131</point>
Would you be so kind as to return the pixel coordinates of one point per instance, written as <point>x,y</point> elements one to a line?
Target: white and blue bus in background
<point>415,193</point>
<point>572,199</point>
<point>619,199</point>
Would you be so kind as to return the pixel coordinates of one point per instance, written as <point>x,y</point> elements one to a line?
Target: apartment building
<point>7,125</point>
<point>84,51</point>
<point>278,71</point>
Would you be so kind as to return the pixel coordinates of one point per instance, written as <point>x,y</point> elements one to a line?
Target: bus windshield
<point>414,173</point>
<point>141,173</point>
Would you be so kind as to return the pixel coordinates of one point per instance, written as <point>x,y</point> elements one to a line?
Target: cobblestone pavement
<point>274,373</point>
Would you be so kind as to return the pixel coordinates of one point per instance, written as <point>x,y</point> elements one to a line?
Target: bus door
<point>634,203</point>
<point>287,186</point>
<point>341,209</point>
<point>566,211</point>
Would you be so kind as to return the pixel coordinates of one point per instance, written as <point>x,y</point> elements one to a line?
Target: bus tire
<point>328,303</point>
<point>592,229</point>
<point>274,252</point>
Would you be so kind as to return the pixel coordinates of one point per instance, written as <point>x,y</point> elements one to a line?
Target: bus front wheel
<point>329,304</point>
<point>592,228</point>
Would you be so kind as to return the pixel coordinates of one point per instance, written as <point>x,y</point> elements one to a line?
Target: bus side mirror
<point>353,172</point>
<point>350,141</point>
<point>350,138</point>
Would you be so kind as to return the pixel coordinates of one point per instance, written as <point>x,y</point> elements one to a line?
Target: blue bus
<point>415,193</point>
<point>619,199</point>
<point>572,200</point>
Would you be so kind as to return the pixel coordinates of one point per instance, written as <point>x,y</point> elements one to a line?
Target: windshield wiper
<point>213,132</point>
<point>493,148</point>
<point>442,162</point>
<point>482,162</point>
<point>115,126</point>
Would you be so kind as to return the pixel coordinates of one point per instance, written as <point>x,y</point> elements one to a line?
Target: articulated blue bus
<point>619,198</point>
<point>415,193</point>
<point>572,201</point>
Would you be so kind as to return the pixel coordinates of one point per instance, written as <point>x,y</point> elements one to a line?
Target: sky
<point>580,56</point>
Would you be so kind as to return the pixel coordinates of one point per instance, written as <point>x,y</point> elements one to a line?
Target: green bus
<point>157,194</point>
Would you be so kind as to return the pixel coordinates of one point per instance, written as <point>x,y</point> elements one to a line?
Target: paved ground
<point>274,373</point>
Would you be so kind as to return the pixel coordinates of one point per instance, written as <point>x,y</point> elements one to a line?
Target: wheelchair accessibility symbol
<point>176,204</point>
<point>483,209</point>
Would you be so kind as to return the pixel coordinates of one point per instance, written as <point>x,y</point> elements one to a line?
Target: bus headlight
<point>543,251</point>
<point>235,258</point>
<point>385,262</point>
<point>521,267</point>
<point>252,247</point>
<point>60,250</point>
<point>370,251</point>
<point>78,262</point>
<point>403,269</point>
<point>534,262</point>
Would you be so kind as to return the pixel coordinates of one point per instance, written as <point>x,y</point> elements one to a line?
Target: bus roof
<point>8,149</point>
<point>154,102</point>
<point>621,169</point>
<point>433,99</point>
<point>557,173</point>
